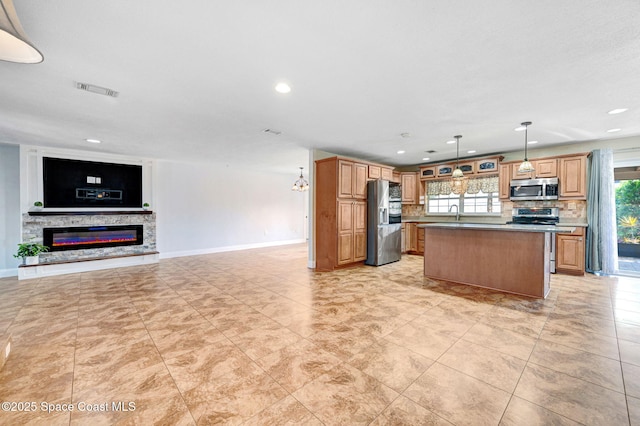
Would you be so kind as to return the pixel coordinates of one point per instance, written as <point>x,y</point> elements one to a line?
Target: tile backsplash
<point>570,210</point>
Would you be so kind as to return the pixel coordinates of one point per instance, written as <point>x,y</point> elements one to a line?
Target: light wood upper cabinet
<point>444,170</point>
<point>427,172</point>
<point>467,167</point>
<point>544,168</point>
<point>573,178</point>
<point>504,181</point>
<point>487,165</point>
<point>375,172</point>
<point>396,177</point>
<point>409,190</point>
<point>352,179</point>
<point>387,173</point>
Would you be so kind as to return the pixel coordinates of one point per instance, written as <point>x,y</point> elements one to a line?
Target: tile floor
<point>255,337</point>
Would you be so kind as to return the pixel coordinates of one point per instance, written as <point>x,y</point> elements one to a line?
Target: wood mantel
<point>78,213</point>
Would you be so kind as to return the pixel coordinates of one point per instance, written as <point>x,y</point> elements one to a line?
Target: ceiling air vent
<point>431,151</point>
<point>97,89</point>
<point>273,132</point>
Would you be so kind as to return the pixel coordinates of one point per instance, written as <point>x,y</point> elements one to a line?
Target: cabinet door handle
<point>579,239</point>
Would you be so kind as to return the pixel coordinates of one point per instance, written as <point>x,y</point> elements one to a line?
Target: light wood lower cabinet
<point>570,252</point>
<point>352,231</point>
<point>413,239</point>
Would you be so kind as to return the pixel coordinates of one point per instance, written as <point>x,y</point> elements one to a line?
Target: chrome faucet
<point>457,211</point>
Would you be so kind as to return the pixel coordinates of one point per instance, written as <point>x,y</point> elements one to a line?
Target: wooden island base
<point>510,261</point>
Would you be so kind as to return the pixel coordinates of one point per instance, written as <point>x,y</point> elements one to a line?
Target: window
<point>481,197</point>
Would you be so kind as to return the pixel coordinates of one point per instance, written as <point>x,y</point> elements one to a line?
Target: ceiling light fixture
<point>401,152</point>
<point>426,159</point>
<point>301,184</point>
<point>459,181</point>
<point>471,151</point>
<point>93,140</point>
<point>618,111</point>
<point>451,141</point>
<point>613,130</point>
<point>532,142</point>
<point>283,87</point>
<point>14,44</point>
<point>405,135</point>
<point>525,166</point>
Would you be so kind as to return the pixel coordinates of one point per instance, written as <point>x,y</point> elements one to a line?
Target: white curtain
<point>601,248</point>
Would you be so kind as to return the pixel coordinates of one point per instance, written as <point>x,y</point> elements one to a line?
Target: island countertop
<point>500,227</point>
<point>513,258</point>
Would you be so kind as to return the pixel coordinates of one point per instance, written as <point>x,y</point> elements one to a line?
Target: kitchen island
<point>509,258</point>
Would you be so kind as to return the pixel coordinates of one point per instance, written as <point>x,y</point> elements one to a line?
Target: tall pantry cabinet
<point>341,212</point>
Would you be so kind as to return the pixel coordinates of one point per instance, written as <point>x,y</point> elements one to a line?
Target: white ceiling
<point>196,78</point>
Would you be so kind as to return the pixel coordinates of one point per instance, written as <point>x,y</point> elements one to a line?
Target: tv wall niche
<point>78,183</point>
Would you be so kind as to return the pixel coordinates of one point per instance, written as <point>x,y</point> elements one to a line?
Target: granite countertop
<point>500,227</point>
<point>480,220</point>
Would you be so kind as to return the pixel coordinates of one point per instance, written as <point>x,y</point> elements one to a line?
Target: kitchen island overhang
<point>510,258</point>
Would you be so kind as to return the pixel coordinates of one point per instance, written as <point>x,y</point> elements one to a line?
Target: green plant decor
<point>38,204</point>
<point>628,206</point>
<point>145,205</point>
<point>628,230</point>
<point>30,249</point>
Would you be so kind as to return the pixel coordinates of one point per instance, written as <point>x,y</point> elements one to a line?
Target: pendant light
<point>301,184</point>
<point>526,165</point>
<point>459,181</point>
<point>14,44</point>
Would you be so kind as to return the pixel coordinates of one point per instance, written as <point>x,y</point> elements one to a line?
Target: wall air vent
<point>97,89</point>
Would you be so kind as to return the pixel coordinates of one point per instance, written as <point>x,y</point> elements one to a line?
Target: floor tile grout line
<point>158,351</point>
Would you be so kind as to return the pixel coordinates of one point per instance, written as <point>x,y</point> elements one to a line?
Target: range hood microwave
<point>534,189</point>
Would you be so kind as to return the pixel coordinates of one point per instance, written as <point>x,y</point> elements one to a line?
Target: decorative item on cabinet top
<point>485,165</point>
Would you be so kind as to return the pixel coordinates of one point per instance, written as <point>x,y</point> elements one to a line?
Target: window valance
<point>476,184</point>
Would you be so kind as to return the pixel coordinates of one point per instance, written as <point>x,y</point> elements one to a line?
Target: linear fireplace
<point>85,237</point>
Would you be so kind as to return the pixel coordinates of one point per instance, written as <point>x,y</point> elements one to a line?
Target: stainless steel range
<point>536,216</point>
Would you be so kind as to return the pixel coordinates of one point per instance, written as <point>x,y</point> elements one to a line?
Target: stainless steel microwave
<point>534,189</point>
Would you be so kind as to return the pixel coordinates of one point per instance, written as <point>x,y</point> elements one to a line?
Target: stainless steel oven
<point>536,217</point>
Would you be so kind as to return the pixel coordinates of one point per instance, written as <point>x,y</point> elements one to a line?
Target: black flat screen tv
<point>78,183</point>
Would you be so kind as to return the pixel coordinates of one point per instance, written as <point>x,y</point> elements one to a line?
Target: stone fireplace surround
<point>69,261</point>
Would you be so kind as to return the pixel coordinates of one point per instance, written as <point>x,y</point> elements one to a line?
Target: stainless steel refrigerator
<point>384,228</point>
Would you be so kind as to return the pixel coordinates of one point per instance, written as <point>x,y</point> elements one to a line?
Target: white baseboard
<point>167,255</point>
<point>311,264</point>
<point>8,272</point>
<point>47,270</point>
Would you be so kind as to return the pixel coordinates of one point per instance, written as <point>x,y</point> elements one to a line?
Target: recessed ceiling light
<point>450,142</point>
<point>519,129</point>
<point>472,151</point>
<point>401,152</point>
<point>405,135</point>
<point>93,140</point>
<point>613,130</point>
<point>283,87</point>
<point>617,110</point>
<point>426,159</point>
<point>530,142</point>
